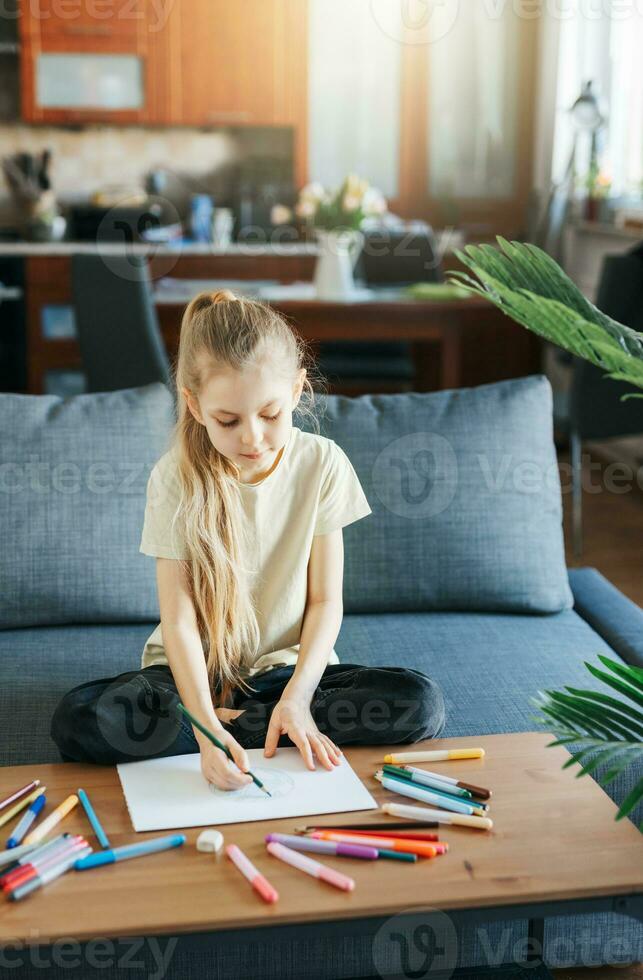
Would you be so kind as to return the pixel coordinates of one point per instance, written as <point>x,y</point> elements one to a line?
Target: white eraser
<point>209,840</point>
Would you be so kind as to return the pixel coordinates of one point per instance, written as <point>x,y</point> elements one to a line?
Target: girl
<point>244,516</point>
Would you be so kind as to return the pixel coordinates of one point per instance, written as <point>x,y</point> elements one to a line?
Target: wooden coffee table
<point>555,850</point>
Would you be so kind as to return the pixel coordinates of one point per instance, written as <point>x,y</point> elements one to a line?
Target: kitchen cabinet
<point>89,62</point>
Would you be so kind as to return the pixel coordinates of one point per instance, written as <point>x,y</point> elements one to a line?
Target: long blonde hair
<point>220,330</point>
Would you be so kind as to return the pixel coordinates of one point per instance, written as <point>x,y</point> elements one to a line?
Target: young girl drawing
<point>244,516</point>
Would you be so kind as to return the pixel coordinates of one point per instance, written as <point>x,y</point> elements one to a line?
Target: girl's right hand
<point>221,771</point>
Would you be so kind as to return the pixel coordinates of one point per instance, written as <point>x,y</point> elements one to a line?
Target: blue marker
<point>130,851</point>
<point>26,821</point>
<point>93,819</point>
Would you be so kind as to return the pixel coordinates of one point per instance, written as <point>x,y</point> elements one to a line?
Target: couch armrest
<point>617,619</point>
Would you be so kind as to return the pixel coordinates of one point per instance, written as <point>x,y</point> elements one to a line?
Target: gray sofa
<point>459,571</point>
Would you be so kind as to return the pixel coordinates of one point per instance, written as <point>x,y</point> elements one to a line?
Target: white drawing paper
<point>165,794</point>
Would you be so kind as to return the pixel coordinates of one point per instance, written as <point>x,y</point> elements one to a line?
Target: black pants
<point>133,716</point>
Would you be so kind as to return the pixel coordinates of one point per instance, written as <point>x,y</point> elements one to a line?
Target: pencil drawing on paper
<point>278,783</point>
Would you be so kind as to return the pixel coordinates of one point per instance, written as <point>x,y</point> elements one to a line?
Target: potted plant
<point>526,284</point>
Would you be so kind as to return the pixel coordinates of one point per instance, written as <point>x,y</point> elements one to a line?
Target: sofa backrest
<point>73,479</point>
<point>463,485</point>
<point>466,499</point>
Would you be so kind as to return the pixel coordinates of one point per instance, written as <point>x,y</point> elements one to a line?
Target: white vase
<point>338,253</point>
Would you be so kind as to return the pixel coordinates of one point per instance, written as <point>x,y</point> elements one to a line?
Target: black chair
<point>595,409</point>
<point>118,332</point>
<point>390,259</point>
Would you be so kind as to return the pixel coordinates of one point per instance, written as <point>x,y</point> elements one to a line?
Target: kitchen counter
<point>153,250</point>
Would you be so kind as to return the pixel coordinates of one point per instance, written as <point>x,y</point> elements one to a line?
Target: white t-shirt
<point>312,490</point>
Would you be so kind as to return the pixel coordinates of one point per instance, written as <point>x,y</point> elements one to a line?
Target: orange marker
<point>393,844</point>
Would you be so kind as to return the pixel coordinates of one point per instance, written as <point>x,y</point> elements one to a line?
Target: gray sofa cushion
<point>466,500</point>
<point>73,475</point>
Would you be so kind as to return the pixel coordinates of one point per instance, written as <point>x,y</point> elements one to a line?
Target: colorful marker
<point>440,755</point>
<point>130,851</point>
<point>425,813</point>
<point>13,856</point>
<point>324,846</point>
<point>26,821</point>
<point>310,867</point>
<point>392,772</point>
<point>480,791</point>
<point>418,776</point>
<point>405,788</point>
<point>49,875</point>
<point>20,805</point>
<point>23,791</point>
<point>27,871</point>
<point>260,884</point>
<point>419,848</point>
<point>93,819</point>
<point>53,819</point>
<point>26,852</point>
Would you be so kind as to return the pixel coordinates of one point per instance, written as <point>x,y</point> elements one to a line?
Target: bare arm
<point>184,651</point>
<point>321,624</point>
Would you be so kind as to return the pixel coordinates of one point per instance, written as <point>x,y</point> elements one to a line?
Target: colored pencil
<point>13,797</point>
<point>383,825</point>
<point>310,867</point>
<point>220,745</point>
<point>20,805</point>
<point>405,834</point>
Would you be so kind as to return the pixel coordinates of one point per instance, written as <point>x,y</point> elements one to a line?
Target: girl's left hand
<point>292,717</point>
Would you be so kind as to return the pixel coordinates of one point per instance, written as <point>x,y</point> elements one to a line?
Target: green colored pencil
<point>219,744</point>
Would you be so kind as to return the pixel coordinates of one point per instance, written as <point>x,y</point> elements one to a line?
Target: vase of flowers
<point>336,217</point>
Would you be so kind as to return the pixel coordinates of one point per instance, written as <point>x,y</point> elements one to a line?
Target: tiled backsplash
<point>90,158</point>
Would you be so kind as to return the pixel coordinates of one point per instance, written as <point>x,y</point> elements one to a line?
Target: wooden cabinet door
<point>241,63</point>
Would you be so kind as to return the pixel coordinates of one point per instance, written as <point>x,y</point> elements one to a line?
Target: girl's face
<point>247,415</point>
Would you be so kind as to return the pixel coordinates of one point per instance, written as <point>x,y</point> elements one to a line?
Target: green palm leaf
<point>599,730</point>
<point>526,284</point>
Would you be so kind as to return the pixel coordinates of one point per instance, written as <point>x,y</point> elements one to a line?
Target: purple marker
<point>324,846</point>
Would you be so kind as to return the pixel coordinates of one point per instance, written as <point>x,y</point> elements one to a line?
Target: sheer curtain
<point>473,76</point>
<point>354,92</point>
<point>602,43</point>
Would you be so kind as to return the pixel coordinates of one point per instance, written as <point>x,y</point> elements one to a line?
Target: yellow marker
<point>436,756</point>
<point>52,820</point>
<point>10,814</point>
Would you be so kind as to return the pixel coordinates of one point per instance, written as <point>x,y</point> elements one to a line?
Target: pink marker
<point>260,884</point>
<point>311,867</point>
